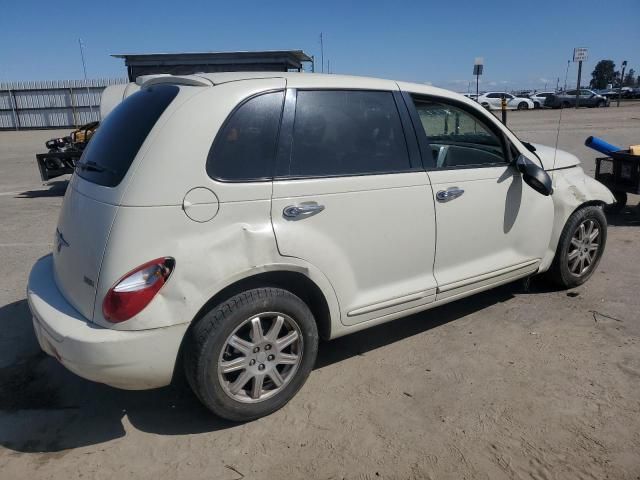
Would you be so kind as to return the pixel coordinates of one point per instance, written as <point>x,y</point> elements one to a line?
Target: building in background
<point>211,62</point>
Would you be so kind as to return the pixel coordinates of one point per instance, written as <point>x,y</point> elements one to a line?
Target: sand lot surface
<point>515,383</point>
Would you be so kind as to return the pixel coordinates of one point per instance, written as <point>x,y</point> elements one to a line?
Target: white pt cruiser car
<point>224,223</point>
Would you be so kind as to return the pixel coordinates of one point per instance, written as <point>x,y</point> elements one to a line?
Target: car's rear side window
<point>115,144</point>
<point>347,132</point>
<point>244,149</point>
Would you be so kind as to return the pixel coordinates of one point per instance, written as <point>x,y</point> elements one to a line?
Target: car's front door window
<point>457,137</point>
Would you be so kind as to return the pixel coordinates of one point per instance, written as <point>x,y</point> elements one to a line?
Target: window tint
<point>115,144</point>
<point>457,137</point>
<point>571,92</point>
<point>244,148</point>
<point>493,95</point>
<point>347,133</point>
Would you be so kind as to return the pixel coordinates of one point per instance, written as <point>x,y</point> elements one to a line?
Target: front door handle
<point>449,194</point>
<point>302,210</point>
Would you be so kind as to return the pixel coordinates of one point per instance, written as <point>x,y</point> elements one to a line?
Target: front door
<point>353,201</point>
<point>491,227</point>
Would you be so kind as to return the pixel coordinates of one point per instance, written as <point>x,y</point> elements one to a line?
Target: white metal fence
<point>51,103</point>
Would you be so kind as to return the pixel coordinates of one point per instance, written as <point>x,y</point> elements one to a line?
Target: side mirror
<point>534,176</point>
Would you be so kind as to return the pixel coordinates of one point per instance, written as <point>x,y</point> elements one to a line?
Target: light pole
<point>84,68</point>
<point>566,74</point>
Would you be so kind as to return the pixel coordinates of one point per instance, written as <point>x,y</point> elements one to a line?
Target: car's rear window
<point>115,144</point>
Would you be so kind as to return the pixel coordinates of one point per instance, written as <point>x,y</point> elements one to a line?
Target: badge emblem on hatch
<point>60,241</point>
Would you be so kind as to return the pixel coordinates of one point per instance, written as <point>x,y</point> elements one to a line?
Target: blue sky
<point>524,44</point>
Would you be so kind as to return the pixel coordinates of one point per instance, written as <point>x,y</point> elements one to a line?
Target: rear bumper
<point>132,360</point>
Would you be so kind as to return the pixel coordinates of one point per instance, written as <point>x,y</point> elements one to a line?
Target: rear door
<point>350,197</point>
<point>490,225</point>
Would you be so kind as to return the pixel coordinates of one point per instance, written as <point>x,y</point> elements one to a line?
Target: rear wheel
<point>248,357</point>
<point>580,247</point>
<point>566,104</point>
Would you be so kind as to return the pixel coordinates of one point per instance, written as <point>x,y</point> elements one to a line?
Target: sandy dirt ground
<point>523,382</point>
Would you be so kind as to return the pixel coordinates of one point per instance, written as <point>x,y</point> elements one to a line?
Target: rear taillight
<point>136,289</point>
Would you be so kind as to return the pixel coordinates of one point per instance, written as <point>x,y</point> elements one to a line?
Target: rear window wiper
<point>92,166</point>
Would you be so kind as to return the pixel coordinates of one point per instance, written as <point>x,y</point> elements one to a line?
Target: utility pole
<point>322,52</point>
<point>328,66</point>
<point>84,68</point>
<point>313,63</point>
<point>566,74</point>
<point>624,66</point>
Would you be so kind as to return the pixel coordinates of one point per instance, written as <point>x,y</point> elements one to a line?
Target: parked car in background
<point>472,96</point>
<point>588,98</point>
<point>539,98</point>
<point>302,206</point>
<point>492,101</point>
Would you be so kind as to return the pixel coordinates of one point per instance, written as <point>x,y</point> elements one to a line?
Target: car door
<point>350,197</point>
<point>494,100</point>
<point>511,104</point>
<point>587,97</point>
<point>491,227</point>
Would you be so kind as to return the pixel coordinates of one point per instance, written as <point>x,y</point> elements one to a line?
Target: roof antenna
<point>555,152</point>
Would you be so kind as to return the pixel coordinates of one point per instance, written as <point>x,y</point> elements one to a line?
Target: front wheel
<point>580,247</point>
<point>523,106</point>
<point>249,356</point>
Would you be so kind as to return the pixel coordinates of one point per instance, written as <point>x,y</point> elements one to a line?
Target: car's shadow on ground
<point>45,408</point>
<point>52,189</point>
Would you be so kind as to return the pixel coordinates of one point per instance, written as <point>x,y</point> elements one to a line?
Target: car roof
<point>297,79</point>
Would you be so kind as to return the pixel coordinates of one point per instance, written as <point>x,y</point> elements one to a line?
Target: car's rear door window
<point>116,143</point>
<point>347,132</point>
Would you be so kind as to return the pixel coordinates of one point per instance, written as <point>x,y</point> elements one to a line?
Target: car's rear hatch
<point>91,203</point>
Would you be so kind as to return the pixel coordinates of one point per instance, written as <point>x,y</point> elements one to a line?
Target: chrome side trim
<point>394,302</point>
<point>521,269</point>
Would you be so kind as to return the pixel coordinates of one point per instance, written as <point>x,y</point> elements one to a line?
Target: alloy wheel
<point>584,247</point>
<point>255,365</point>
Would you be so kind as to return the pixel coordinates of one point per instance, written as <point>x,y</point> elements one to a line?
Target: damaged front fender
<point>572,188</point>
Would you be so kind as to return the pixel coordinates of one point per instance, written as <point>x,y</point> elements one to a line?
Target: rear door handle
<point>449,194</point>
<point>302,210</point>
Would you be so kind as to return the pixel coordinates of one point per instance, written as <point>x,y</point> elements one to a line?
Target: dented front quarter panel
<point>571,189</point>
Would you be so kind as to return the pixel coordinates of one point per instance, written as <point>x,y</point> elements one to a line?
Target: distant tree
<point>603,74</point>
<point>630,78</point>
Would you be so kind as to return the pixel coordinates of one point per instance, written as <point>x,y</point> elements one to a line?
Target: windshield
<point>115,144</point>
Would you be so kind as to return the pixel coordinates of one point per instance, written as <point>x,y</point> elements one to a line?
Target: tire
<point>487,106</point>
<point>536,105</point>
<point>566,105</point>
<point>523,106</point>
<point>561,271</point>
<point>618,206</point>
<point>601,104</point>
<point>209,347</point>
